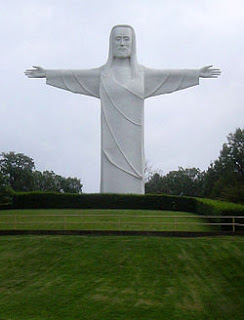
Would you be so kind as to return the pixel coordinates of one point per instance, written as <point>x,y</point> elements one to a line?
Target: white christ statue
<point>122,85</point>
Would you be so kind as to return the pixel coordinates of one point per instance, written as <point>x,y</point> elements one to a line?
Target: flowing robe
<point>122,116</point>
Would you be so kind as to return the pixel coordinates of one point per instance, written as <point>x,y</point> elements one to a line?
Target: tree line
<point>224,178</point>
<point>17,172</point>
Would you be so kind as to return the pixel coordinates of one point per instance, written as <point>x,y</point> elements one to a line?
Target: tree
<point>186,182</point>
<point>18,170</point>
<point>6,193</point>
<point>71,185</point>
<point>49,181</point>
<point>46,181</point>
<point>155,184</point>
<point>232,153</point>
<point>225,177</point>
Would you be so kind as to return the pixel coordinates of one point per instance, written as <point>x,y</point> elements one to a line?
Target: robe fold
<point>122,117</point>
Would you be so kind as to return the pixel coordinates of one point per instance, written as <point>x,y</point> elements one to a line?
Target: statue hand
<point>209,72</point>
<point>37,72</point>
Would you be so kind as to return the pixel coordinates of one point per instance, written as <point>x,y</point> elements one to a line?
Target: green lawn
<point>102,220</point>
<point>129,278</point>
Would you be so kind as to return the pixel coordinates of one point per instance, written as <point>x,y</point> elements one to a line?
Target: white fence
<point>118,222</point>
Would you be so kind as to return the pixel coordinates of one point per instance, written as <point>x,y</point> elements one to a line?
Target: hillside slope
<point>129,278</point>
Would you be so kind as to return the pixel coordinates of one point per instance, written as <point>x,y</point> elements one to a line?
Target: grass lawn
<point>102,220</point>
<point>129,278</point>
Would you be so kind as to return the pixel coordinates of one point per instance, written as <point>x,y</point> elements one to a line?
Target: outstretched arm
<point>159,82</point>
<point>77,81</point>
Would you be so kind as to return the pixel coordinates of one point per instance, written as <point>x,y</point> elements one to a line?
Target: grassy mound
<point>129,278</point>
<point>85,219</point>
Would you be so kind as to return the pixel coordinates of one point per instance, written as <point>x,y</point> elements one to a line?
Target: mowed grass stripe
<point>141,220</point>
<point>121,278</point>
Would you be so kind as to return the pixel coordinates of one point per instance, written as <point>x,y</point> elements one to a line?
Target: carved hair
<point>133,59</point>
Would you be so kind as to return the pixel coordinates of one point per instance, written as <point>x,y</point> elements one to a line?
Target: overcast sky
<point>61,130</point>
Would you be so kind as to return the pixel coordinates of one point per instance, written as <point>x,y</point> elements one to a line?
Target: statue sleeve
<point>167,81</point>
<point>77,81</point>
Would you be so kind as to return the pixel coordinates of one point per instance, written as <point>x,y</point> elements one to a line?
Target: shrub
<point>220,208</point>
<point>6,196</point>
<point>34,200</point>
<point>38,200</point>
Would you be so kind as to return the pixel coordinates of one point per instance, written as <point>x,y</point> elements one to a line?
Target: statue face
<point>122,42</point>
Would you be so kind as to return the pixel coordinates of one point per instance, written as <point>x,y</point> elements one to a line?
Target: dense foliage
<point>17,173</point>
<point>6,194</point>
<point>186,182</point>
<point>35,200</point>
<point>224,179</point>
<point>51,200</point>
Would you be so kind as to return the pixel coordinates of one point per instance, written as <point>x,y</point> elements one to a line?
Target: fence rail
<point>119,221</point>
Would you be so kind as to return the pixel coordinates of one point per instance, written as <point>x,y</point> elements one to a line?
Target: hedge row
<point>218,208</point>
<point>40,200</point>
<point>221,208</point>
<point>50,200</point>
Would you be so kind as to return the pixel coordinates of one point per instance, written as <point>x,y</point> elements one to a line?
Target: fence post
<point>15,222</point>
<point>233,224</point>
<point>65,223</point>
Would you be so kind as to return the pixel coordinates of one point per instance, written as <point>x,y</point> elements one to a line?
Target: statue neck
<point>122,63</point>
<point>121,69</point>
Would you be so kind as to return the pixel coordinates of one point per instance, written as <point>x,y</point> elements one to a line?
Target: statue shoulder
<point>141,68</point>
<point>95,72</point>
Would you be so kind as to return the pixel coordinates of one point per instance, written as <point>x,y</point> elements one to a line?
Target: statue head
<point>122,44</point>
<point>121,41</point>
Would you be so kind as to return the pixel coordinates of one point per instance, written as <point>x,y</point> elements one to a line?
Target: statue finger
<point>209,66</point>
